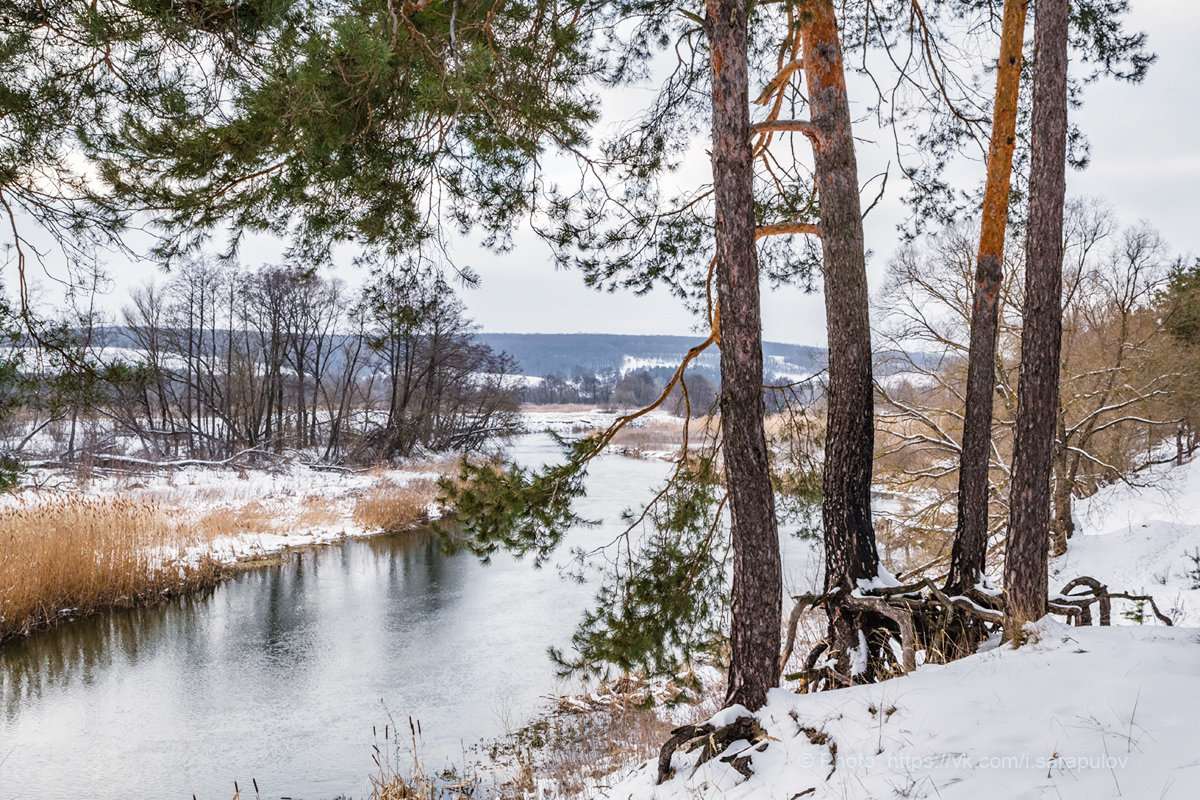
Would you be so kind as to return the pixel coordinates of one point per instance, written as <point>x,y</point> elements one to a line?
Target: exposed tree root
<point>1077,606</point>
<point>894,623</point>
<point>712,742</point>
<point>803,603</point>
<point>874,635</point>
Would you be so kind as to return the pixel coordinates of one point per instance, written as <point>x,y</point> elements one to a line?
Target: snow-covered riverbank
<point>233,513</point>
<point>1075,713</point>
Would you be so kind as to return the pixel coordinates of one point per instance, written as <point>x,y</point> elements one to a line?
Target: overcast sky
<point>1145,162</point>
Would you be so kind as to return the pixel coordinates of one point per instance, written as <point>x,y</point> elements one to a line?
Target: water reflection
<point>280,673</point>
<point>75,652</point>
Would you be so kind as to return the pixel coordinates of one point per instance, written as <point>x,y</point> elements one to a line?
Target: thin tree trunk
<point>1062,527</point>
<point>968,555</point>
<point>1025,568</point>
<point>850,552</point>
<point>757,594</point>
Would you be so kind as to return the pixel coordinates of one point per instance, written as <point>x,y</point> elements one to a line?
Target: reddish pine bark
<point>969,553</point>
<point>850,551</point>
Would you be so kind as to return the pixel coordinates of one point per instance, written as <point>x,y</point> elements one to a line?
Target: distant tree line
<point>220,361</point>
<point>579,387</point>
<point>631,390</point>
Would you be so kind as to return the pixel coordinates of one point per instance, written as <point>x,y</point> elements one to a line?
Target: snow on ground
<point>635,363</point>
<point>781,378</point>
<point>913,378</point>
<point>1078,713</point>
<point>566,423</point>
<point>266,510</point>
<point>506,380</point>
<point>579,421</point>
<point>1141,540</point>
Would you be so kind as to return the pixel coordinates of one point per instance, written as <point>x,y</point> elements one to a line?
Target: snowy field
<point>1076,713</point>
<point>1079,713</point>
<point>263,511</point>
<point>584,419</point>
<point>254,512</point>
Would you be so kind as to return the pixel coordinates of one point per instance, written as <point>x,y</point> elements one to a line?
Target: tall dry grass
<point>391,507</point>
<point>396,778</point>
<point>657,434</point>
<point>225,520</point>
<point>562,754</point>
<point>84,554</point>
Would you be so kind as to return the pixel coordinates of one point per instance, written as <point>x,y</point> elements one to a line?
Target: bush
<point>1194,572</point>
<point>10,472</point>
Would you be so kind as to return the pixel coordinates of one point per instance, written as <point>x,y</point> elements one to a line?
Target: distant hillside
<point>610,354</point>
<point>569,354</point>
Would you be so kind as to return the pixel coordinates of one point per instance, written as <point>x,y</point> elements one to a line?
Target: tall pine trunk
<point>968,556</point>
<point>1025,568</point>
<point>850,552</point>
<point>757,594</point>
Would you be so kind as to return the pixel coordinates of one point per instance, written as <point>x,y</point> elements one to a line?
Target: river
<point>280,675</point>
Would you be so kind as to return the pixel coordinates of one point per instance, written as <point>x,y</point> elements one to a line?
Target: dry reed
<point>394,508</point>
<point>226,520</point>
<point>658,434</point>
<point>393,781</point>
<point>572,751</point>
<point>69,557</point>
<point>559,755</point>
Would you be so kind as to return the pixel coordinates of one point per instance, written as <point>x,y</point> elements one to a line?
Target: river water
<point>281,674</point>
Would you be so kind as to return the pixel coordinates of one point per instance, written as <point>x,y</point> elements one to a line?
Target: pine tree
<point>1025,563</point>
<point>757,592</point>
<point>378,123</point>
<point>969,552</point>
<point>850,551</point>
<point>1180,304</point>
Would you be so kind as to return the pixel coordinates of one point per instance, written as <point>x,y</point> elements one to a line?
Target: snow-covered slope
<point>1144,540</point>
<point>1079,713</point>
<point>1076,713</point>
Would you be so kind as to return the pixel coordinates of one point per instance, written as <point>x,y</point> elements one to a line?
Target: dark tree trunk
<point>757,595</point>
<point>1063,527</point>
<point>850,551</point>
<point>1041,338</point>
<point>968,557</point>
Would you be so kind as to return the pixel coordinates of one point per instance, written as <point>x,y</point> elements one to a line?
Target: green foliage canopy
<point>368,121</point>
